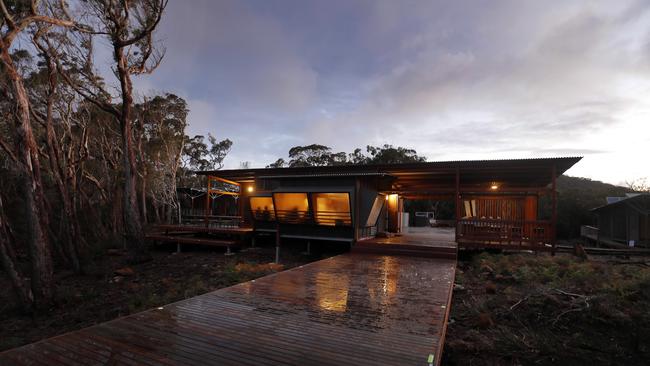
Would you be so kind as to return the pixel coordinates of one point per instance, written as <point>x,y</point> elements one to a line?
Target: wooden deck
<point>353,309</point>
<point>234,231</point>
<point>422,242</point>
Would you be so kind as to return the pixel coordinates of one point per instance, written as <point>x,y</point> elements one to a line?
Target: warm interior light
<point>386,197</point>
<point>494,187</point>
<point>250,188</point>
<point>332,208</point>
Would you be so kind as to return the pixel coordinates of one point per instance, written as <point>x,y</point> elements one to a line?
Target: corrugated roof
<point>427,176</point>
<point>630,197</point>
<point>566,163</point>
<point>317,175</point>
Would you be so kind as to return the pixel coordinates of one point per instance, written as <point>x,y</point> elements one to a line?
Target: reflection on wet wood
<point>348,310</point>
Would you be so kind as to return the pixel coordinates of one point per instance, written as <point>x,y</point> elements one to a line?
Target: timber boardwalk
<point>351,309</point>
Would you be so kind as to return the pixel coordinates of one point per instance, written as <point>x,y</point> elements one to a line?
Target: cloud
<point>462,79</point>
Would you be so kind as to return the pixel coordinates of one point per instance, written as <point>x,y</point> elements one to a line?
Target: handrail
<point>506,231</point>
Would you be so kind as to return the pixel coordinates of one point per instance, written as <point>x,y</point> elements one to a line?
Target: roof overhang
<point>433,178</point>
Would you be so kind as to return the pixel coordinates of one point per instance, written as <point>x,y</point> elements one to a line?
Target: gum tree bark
<point>29,165</point>
<point>129,27</point>
<point>25,154</point>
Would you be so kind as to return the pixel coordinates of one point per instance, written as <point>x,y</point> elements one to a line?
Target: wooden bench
<point>179,240</point>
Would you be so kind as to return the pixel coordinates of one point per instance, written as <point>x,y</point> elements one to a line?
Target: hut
<point>496,201</point>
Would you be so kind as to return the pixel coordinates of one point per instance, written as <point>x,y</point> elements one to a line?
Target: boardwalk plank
<point>351,309</point>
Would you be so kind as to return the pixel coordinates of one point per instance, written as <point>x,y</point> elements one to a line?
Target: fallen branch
<point>519,302</point>
<point>582,308</point>
<point>569,293</point>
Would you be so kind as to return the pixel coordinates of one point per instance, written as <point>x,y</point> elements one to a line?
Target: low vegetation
<point>112,288</point>
<point>537,309</point>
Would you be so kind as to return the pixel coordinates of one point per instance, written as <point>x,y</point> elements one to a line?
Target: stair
<point>370,246</point>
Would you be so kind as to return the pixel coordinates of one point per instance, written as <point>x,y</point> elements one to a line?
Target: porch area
<point>413,241</point>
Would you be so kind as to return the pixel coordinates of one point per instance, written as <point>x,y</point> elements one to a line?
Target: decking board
<point>351,309</point>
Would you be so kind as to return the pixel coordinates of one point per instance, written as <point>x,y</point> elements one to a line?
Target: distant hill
<point>576,197</point>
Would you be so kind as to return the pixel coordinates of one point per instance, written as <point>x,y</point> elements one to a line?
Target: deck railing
<point>367,232</point>
<point>214,220</point>
<point>264,215</point>
<point>590,232</point>
<point>294,217</point>
<point>534,233</point>
<point>333,218</point>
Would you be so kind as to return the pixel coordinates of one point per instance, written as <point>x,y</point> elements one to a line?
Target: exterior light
<point>494,187</point>
<point>386,197</point>
<point>250,188</point>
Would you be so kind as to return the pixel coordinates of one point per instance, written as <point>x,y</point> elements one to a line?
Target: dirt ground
<point>526,309</point>
<point>102,294</point>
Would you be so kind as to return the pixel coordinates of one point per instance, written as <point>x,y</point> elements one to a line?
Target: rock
<point>490,288</point>
<point>117,279</point>
<point>458,287</point>
<point>125,271</point>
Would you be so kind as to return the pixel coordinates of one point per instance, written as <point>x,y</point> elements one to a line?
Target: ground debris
<point>124,272</point>
<point>558,310</point>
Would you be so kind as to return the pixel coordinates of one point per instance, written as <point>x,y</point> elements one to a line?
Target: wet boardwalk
<point>415,242</point>
<point>353,309</point>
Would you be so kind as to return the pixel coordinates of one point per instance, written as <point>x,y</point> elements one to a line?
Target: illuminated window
<point>262,208</point>
<point>292,208</point>
<point>332,209</point>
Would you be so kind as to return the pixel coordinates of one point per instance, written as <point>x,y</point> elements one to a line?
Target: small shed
<point>625,220</point>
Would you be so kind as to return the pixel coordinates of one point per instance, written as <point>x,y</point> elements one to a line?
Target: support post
<point>240,205</point>
<point>554,212</point>
<point>178,247</point>
<point>207,201</point>
<point>277,243</point>
<point>457,203</point>
<point>308,247</point>
<point>357,199</point>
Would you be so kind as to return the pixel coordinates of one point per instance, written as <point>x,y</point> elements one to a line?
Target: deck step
<point>406,250</point>
<point>405,246</point>
<point>186,240</point>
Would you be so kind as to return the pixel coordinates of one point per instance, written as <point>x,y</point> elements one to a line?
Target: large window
<point>262,208</point>
<point>332,209</point>
<point>292,208</point>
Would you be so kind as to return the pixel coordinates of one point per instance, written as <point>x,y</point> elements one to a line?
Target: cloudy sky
<point>478,79</point>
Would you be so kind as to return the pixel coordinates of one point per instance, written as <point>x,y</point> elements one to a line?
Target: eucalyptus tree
<point>128,28</point>
<point>19,18</point>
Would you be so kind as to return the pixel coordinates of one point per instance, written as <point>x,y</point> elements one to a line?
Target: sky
<point>454,80</point>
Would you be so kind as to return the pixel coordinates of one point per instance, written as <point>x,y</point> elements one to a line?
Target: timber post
<point>207,201</point>
<point>554,208</point>
<point>357,200</point>
<point>457,203</point>
<point>277,243</point>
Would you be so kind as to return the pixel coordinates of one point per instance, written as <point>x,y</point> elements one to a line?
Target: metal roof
<point>318,175</point>
<point>630,198</point>
<point>437,176</point>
